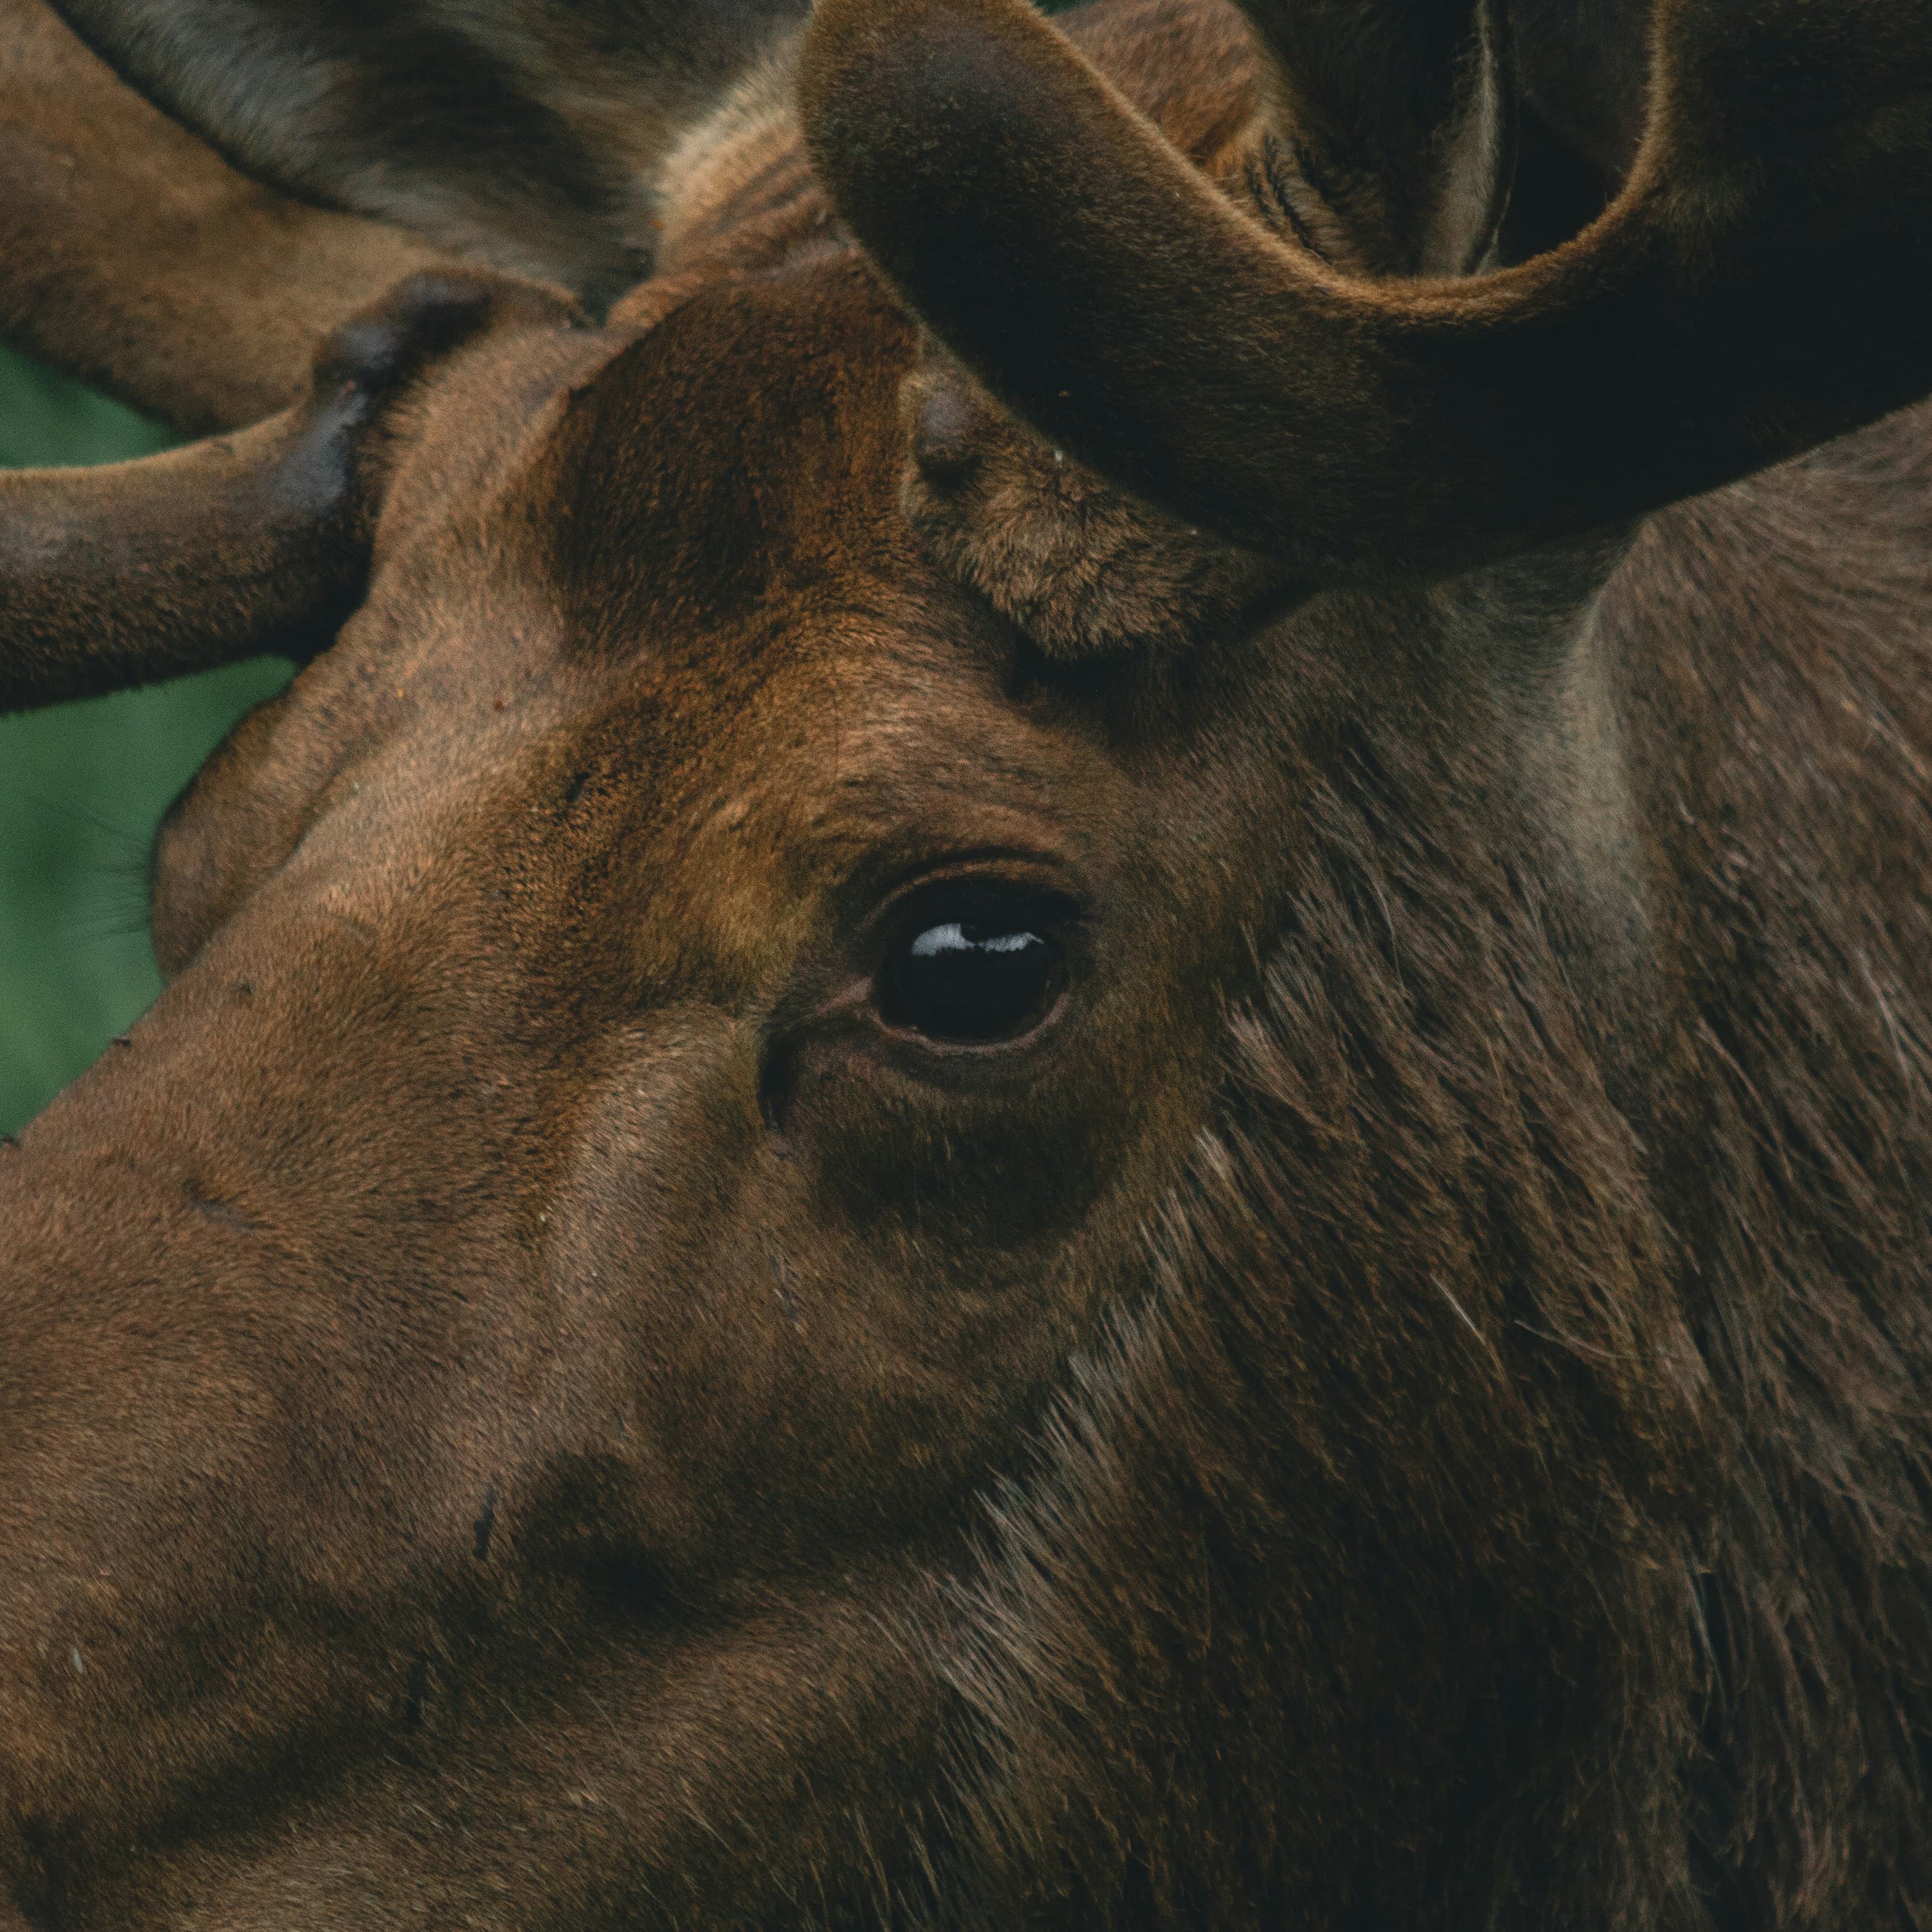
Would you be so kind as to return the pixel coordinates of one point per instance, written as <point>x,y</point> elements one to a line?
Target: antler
<point>1757,286</point>
<point>134,256</point>
<point>255,542</point>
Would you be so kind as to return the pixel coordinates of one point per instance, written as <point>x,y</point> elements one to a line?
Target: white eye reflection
<point>972,981</point>
<point>937,939</point>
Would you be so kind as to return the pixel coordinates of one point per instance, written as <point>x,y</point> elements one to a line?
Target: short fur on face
<point>532,1395</point>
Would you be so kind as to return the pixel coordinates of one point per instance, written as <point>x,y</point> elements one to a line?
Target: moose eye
<point>972,981</point>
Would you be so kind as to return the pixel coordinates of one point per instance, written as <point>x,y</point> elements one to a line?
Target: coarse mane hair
<point>1662,1405</point>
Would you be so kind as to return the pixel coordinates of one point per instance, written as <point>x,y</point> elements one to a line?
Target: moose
<point>1068,1061</point>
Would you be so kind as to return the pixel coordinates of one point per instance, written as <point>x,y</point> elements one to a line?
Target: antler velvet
<point>1757,286</point>
<point>115,576</point>
<point>133,256</point>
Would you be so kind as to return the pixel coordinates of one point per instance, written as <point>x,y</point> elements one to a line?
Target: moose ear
<point>520,134</point>
<point>1399,114</point>
<point>1756,288</point>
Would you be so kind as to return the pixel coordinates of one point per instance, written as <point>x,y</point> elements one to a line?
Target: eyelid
<point>1005,898</point>
<point>882,886</point>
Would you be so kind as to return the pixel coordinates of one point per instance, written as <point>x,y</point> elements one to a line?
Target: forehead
<point>693,565</point>
<point>727,546</point>
<point>709,502</point>
<point>740,456</point>
<point>652,646</point>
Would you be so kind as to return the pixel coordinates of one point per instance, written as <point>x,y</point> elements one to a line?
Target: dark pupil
<point>963,981</point>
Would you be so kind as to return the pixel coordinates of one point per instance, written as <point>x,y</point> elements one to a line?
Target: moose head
<point>1053,1071</point>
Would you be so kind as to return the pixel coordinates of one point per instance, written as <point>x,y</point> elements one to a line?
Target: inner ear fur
<point>1400,116</point>
<point>1585,68</point>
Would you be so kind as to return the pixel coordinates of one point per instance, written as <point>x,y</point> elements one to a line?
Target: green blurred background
<point>81,791</point>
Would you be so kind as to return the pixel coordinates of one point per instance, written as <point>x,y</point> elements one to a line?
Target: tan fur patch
<point>743,164</point>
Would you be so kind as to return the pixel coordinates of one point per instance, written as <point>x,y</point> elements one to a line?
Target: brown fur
<point>524,134</point>
<point>1357,429</point>
<point>131,255</point>
<point>524,1402</point>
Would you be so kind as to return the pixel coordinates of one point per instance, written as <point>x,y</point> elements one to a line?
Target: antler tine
<point>135,257</point>
<point>255,542</point>
<point>1756,287</point>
